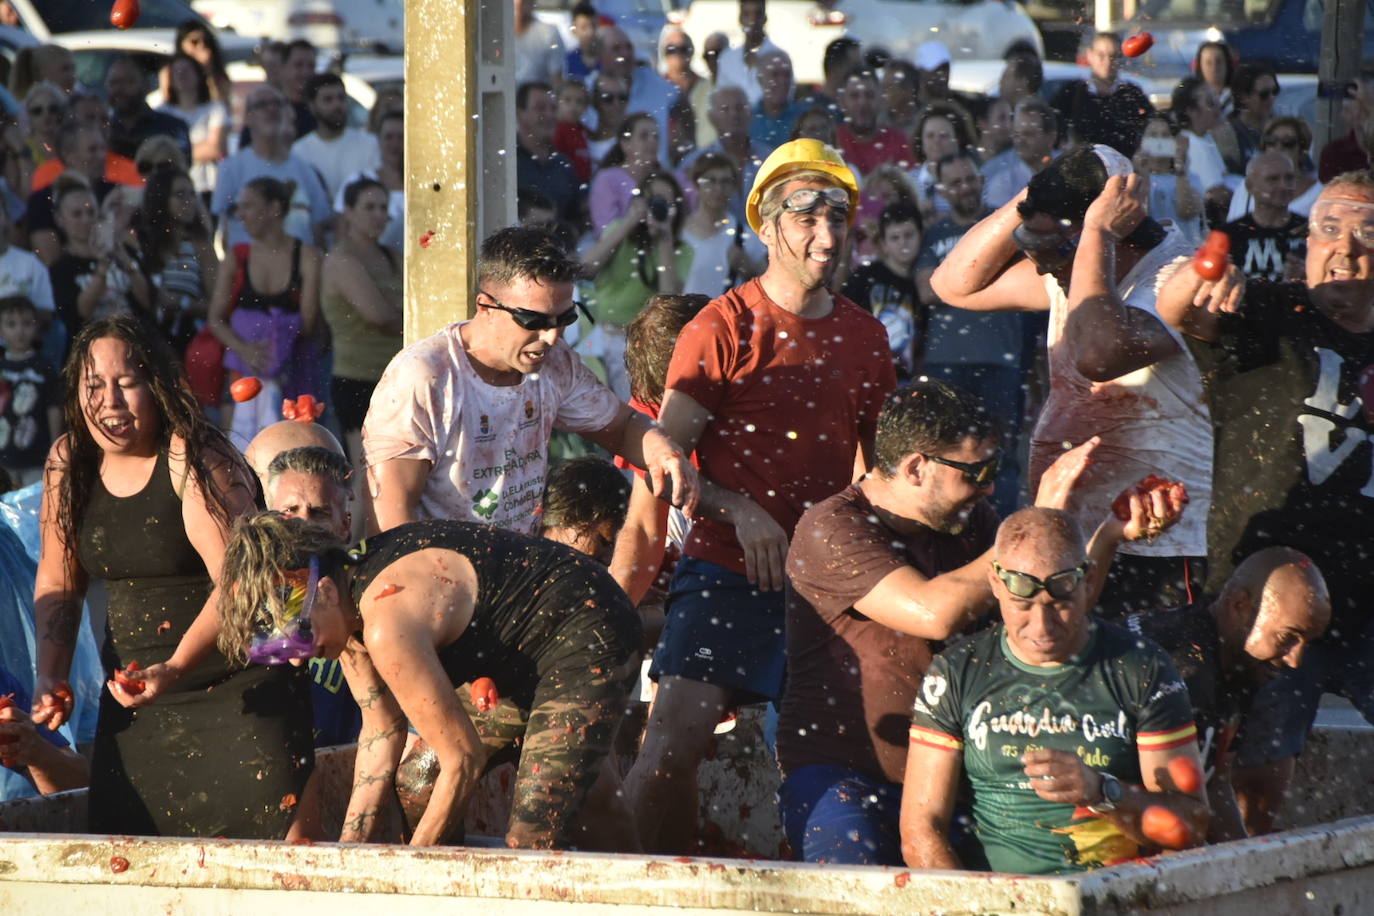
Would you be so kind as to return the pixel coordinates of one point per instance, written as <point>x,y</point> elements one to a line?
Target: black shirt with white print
<point>1291,395</point>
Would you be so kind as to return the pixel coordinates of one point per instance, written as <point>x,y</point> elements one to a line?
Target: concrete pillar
<point>1342,44</point>
<point>460,151</point>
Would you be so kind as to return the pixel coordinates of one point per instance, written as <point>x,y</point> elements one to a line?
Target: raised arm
<point>982,273</point>
<point>1194,306</point>
<point>1108,337</point>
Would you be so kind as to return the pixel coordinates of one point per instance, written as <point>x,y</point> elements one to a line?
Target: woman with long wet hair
<point>423,608</point>
<point>141,493</point>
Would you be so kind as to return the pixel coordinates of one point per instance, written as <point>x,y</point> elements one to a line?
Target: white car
<point>327,24</point>
<point>973,29</point>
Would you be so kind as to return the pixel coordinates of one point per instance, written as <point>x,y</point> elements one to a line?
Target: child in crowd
<point>30,394</point>
<point>887,287</point>
<point>569,135</point>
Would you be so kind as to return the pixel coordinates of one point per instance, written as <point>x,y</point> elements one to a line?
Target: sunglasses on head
<point>1060,585</point>
<point>979,473</point>
<point>531,320</point>
<point>805,200</point>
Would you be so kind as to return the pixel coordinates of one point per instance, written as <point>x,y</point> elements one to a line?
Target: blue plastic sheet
<point>19,544</point>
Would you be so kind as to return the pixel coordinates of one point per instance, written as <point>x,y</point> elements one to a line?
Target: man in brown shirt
<point>875,575</point>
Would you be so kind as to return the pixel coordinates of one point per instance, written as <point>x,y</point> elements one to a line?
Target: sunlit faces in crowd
<point>807,245</point>
<point>1038,580</point>
<point>502,342</point>
<point>1340,255</point>
<point>120,410</point>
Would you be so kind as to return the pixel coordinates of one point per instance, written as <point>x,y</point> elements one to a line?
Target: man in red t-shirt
<point>777,386</point>
<point>866,145</point>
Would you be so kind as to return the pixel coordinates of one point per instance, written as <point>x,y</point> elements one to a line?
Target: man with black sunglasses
<point>1065,726</point>
<point>459,424</point>
<point>1079,243</point>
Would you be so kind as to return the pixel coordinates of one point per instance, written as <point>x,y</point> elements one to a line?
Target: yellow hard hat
<point>797,156</point>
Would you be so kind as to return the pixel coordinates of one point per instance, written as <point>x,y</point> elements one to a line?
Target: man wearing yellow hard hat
<point>776,385</point>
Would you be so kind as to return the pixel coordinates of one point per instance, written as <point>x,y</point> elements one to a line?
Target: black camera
<point>659,209</point>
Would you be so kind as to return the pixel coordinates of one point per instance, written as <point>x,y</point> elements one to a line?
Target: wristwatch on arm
<point>1112,791</point>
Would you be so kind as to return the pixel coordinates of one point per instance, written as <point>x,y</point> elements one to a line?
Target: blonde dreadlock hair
<point>263,550</point>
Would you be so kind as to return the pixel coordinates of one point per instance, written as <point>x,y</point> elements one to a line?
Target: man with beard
<point>776,386</point>
<point>1288,386</point>
<point>132,121</point>
<point>1273,606</point>
<point>333,148</point>
<point>876,575</point>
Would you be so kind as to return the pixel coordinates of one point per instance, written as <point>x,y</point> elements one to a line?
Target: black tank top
<point>288,300</point>
<point>541,610</point>
<point>155,578</point>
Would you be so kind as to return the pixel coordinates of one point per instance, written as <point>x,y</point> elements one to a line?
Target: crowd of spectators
<point>833,335</point>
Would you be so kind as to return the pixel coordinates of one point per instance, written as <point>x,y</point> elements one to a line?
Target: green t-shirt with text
<point>1120,695</point>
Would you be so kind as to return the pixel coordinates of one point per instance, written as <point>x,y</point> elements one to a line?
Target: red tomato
<point>130,684</point>
<point>124,14</point>
<point>1137,45</point>
<point>484,694</point>
<point>1210,260</point>
<point>1121,506</point>
<point>1185,773</point>
<point>245,389</point>
<point>1164,827</point>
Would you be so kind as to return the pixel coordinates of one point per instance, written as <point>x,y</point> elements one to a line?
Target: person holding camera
<point>1162,163</point>
<point>638,256</point>
<point>625,168</point>
<point>97,271</point>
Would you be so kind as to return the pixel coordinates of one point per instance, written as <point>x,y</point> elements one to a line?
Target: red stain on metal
<point>302,841</point>
<point>902,879</point>
<point>118,864</point>
<point>686,860</point>
<point>292,882</point>
<point>426,238</point>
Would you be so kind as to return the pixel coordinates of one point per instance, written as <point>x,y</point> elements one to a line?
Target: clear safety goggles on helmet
<point>292,639</point>
<point>1333,217</point>
<point>805,200</point>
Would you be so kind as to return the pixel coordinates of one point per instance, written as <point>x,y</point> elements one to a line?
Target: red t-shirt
<point>887,145</point>
<point>791,399</point>
<point>571,141</point>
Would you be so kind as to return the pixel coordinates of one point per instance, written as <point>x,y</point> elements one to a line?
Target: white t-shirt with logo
<point>488,443</point>
<point>1152,421</point>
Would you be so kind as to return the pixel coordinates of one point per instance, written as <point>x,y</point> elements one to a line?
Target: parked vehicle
<point>328,24</point>
<point>972,29</point>
<point>1285,34</point>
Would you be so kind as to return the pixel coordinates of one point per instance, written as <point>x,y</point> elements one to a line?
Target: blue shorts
<point>837,815</point>
<point>1283,710</point>
<point>721,630</point>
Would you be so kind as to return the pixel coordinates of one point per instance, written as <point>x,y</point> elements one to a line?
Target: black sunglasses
<point>979,473</point>
<point>606,98</point>
<point>531,320</point>
<point>1060,585</point>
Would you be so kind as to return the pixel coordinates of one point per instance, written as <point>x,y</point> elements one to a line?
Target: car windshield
<point>1219,13</point>
<point>74,16</point>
